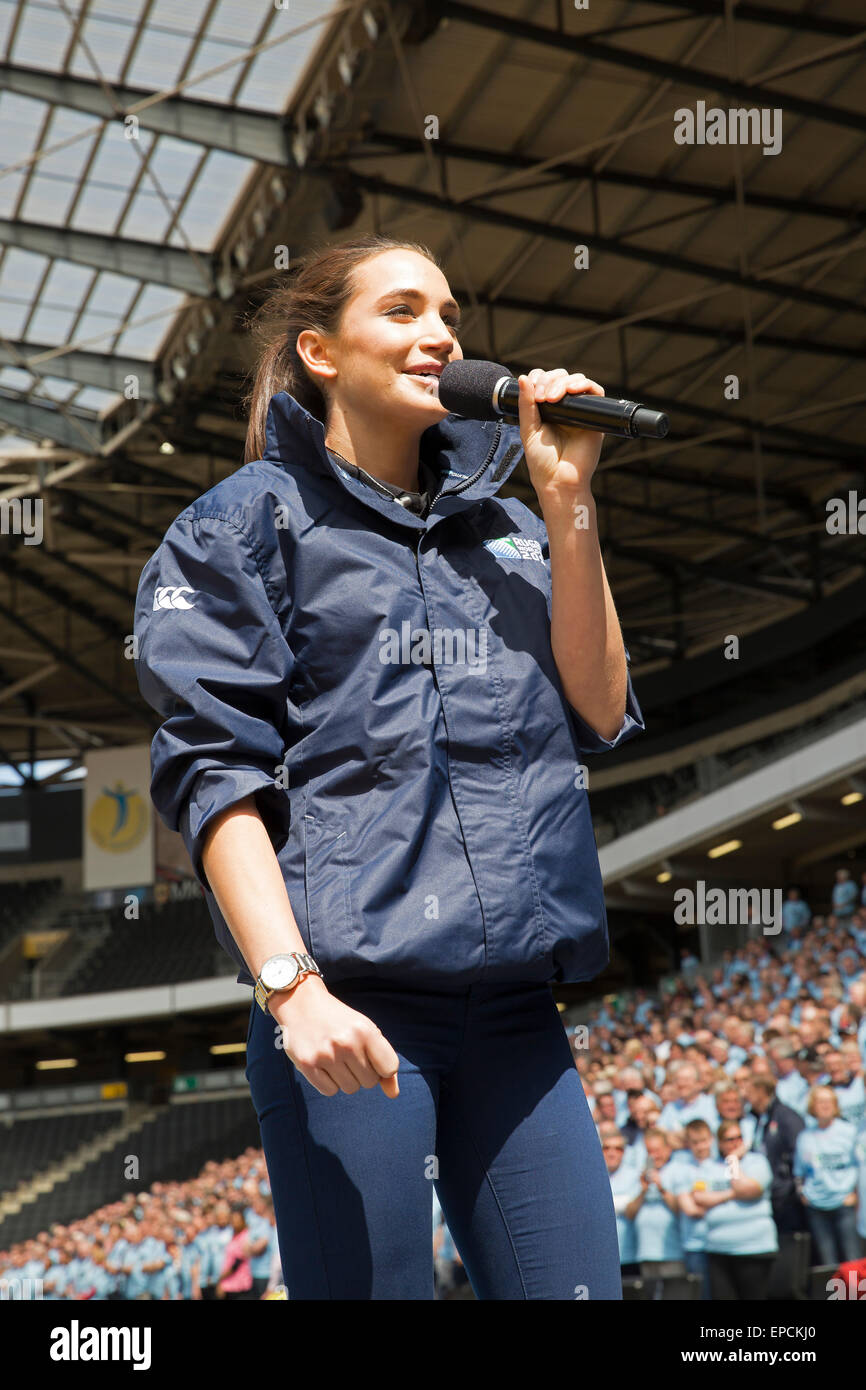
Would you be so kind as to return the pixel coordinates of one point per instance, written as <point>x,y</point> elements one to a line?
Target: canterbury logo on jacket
<point>427,810</point>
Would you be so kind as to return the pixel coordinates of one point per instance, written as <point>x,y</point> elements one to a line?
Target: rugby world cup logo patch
<point>515,548</point>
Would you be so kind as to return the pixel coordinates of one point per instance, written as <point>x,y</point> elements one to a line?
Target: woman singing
<point>378,680</point>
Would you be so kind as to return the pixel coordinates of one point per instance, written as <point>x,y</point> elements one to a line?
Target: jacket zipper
<point>467,482</point>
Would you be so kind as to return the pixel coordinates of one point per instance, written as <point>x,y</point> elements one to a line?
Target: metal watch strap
<point>307,967</point>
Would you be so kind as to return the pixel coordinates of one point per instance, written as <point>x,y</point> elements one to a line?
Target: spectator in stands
<point>689,966</point>
<point>622,1186</point>
<point>263,1238</point>
<point>629,1128</point>
<point>844,1077</point>
<point>236,1275</point>
<point>777,1127</point>
<point>795,911</point>
<point>690,1104</point>
<point>860,1159</point>
<point>449,1270</point>
<point>825,1170</point>
<point>212,1244</point>
<point>145,1258</point>
<point>685,1179</point>
<point>741,1236</point>
<point>791,1088</point>
<point>728,1100</point>
<point>811,1068</point>
<point>653,1206</point>
<point>630,1081</point>
<point>95,1282</point>
<point>645,1115</point>
<point>56,1280</point>
<point>605,1103</point>
<point>845,895</point>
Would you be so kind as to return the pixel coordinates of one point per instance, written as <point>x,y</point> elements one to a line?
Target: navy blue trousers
<point>491,1112</point>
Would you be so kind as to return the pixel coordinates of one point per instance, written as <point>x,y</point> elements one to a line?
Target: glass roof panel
<point>101,182</point>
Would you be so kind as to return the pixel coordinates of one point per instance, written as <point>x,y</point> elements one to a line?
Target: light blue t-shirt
<point>677,1113</point>
<point>114,1259</point>
<point>845,897</point>
<point>624,1186</point>
<point>860,1157</point>
<point>135,1257</point>
<point>740,1227</point>
<point>56,1282</point>
<point>95,1276</point>
<point>212,1246</point>
<point>154,1281</point>
<point>681,1177</point>
<point>793,1090</point>
<point>635,1154</point>
<point>795,913</point>
<point>851,1098</point>
<point>259,1226</point>
<point>166,1281</point>
<point>190,1256</point>
<point>656,1226</point>
<point>824,1159</point>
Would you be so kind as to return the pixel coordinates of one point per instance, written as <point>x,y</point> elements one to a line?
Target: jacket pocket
<point>328,891</point>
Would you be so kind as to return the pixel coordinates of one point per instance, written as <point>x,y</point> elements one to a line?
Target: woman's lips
<point>428,379</point>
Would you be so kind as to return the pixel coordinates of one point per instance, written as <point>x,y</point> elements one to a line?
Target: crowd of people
<point>211,1237</point>
<point>730,1108</point>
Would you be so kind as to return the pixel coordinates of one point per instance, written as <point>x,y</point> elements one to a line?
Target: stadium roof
<point>503,136</point>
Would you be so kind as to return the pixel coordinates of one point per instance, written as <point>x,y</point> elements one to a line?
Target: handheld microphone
<point>482,390</point>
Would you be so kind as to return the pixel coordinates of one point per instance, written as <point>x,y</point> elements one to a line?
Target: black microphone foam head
<point>466,387</point>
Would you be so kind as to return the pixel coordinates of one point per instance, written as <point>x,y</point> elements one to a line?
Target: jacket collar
<point>453,447</point>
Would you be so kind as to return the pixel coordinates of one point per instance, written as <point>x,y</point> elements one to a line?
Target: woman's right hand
<point>334,1047</point>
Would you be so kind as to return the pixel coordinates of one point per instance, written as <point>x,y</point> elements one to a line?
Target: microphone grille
<point>466,387</point>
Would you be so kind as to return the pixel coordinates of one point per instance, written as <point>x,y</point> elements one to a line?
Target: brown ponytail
<point>316,298</point>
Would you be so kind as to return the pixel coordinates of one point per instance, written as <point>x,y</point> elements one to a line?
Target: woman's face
<point>402,316</point>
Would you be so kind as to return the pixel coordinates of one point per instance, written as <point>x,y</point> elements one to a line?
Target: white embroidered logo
<point>171,596</point>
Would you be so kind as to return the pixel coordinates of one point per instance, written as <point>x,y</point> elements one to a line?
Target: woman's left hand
<point>557,455</point>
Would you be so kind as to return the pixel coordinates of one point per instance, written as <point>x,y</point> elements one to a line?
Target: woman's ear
<point>315,353</point>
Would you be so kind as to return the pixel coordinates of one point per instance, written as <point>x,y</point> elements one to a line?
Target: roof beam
<point>664,260</point>
<point>674,327</point>
<point>719,482</point>
<point>567,170</point>
<point>86,673</point>
<point>789,20</point>
<point>727,577</point>
<point>251,134</point>
<point>61,598</point>
<point>139,260</point>
<point>107,371</point>
<point>699,79</point>
<point>841,449</point>
<point>75,428</point>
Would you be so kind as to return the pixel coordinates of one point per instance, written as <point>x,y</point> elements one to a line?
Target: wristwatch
<point>283,972</point>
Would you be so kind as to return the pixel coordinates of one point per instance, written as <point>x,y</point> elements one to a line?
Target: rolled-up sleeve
<point>211,658</point>
<point>587,739</point>
<point>632,723</point>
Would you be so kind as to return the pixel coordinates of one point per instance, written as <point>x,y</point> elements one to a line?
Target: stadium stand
<point>172,1144</point>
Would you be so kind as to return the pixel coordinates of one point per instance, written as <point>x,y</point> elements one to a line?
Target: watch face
<point>279,972</point>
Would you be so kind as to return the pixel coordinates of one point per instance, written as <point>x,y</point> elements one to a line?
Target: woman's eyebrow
<point>416,294</point>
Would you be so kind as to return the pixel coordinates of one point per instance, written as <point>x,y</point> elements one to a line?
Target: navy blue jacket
<point>386,687</point>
